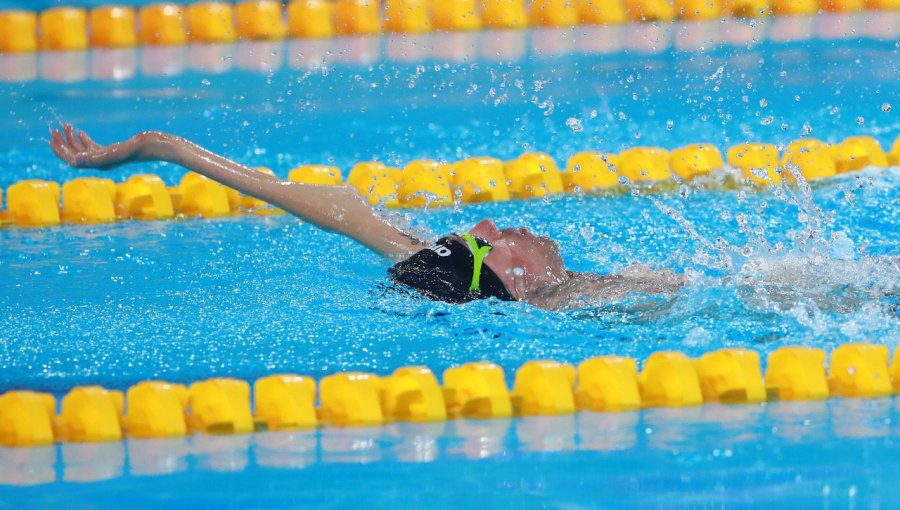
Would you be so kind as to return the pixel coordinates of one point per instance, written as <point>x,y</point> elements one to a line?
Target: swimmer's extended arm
<point>337,208</point>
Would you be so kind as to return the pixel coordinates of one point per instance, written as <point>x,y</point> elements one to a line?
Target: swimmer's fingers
<point>72,138</point>
<point>61,148</point>
<point>66,149</point>
<point>87,141</point>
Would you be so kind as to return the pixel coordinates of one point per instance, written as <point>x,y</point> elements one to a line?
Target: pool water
<point>254,295</point>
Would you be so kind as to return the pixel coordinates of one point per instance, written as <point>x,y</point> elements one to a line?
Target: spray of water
<point>821,270</point>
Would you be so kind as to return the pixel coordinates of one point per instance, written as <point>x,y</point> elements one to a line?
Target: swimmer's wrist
<point>155,146</point>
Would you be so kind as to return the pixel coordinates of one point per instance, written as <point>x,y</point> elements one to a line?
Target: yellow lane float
<point>26,419</point>
<point>476,390</point>
<point>797,373</point>
<point>731,376</point>
<point>156,409</point>
<point>220,406</point>
<point>375,182</point>
<point>812,158</point>
<point>285,402</point>
<point>63,29</point>
<point>455,15</point>
<point>504,13</point>
<point>695,160</point>
<point>143,197</point>
<point>480,180</point>
<point>200,196</point>
<point>407,16</point>
<point>532,175</point>
<point>795,7</point>
<point>113,27</point>
<point>698,9</point>
<point>858,152</point>
<point>421,183</point>
<point>357,17</point>
<point>759,162</point>
<point>860,370</point>
<point>18,32</point>
<point>554,13</point>
<point>544,388</point>
<point>645,164</point>
<point>590,171</point>
<point>747,8</point>
<point>90,414</point>
<point>211,22</point>
<point>649,10</point>
<point>259,19</point>
<point>311,18</point>
<point>601,12</point>
<point>608,384</point>
<point>894,155</point>
<point>321,175</point>
<point>33,203</point>
<point>412,394</point>
<point>88,200</point>
<point>424,183</point>
<point>669,379</point>
<point>162,25</point>
<point>351,399</point>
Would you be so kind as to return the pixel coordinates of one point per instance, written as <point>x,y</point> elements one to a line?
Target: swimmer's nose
<point>486,230</point>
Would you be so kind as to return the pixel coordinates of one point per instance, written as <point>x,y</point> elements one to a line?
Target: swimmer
<point>510,264</point>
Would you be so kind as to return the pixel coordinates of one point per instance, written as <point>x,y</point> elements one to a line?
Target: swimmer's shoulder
<point>582,289</point>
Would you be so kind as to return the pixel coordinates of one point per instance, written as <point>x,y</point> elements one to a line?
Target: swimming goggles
<point>480,248</point>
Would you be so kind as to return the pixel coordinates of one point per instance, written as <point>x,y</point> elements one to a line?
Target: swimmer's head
<point>517,263</point>
<point>451,270</point>
<point>523,261</point>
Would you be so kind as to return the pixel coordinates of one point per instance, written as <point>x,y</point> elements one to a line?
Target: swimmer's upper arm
<point>341,209</point>
<point>582,289</point>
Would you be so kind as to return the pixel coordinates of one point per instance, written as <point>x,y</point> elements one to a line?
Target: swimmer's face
<point>522,260</point>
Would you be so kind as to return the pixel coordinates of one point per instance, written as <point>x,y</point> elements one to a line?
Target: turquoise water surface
<point>251,296</point>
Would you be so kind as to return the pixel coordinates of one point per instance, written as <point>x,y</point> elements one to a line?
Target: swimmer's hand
<point>77,149</point>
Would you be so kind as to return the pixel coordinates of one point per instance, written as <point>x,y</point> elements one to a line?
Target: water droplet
<point>670,124</point>
<point>574,124</point>
<point>860,121</point>
<point>763,103</point>
<point>886,107</point>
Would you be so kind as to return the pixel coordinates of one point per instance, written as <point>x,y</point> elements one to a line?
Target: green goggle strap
<point>479,252</point>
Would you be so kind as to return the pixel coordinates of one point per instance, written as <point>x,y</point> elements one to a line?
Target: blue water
<point>250,296</point>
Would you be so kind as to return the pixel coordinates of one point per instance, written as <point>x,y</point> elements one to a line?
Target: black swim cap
<point>443,272</point>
